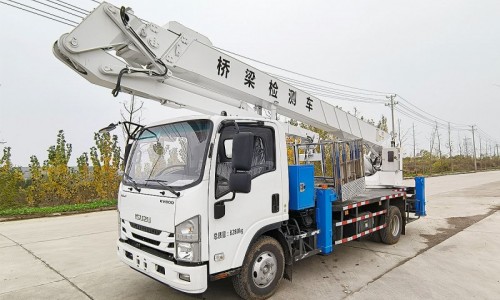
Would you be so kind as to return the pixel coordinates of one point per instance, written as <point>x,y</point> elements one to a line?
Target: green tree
<point>36,188</point>
<point>11,182</point>
<point>382,124</point>
<point>105,157</point>
<point>58,184</point>
<point>85,189</point>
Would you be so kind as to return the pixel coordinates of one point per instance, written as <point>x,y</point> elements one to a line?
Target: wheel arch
<point>274,231</point>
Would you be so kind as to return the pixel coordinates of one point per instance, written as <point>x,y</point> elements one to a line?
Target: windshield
<point>170,155</point>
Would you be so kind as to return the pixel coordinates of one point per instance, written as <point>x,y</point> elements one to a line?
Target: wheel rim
<point>264,269</point>
<point>395,225</point>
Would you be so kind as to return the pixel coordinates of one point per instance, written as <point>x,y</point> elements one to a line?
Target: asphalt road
<point>452,253</point>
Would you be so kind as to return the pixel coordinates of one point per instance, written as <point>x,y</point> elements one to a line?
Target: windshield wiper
<point>167,187</point>
<point>134,184</point>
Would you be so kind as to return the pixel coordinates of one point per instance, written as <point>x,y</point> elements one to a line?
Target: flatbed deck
<point>369,196</point>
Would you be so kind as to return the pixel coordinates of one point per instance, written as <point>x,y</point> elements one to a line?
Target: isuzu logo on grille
<point>142,218</point>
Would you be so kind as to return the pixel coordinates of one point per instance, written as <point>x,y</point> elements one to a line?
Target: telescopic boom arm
<point>180,68</point>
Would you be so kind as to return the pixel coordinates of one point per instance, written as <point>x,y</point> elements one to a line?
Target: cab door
<point>230,235</point>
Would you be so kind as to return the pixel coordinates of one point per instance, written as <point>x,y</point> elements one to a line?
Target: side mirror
<point>242,151</point>
<point>219,210</point>
<point>240,180</point>
<point>108,128</point>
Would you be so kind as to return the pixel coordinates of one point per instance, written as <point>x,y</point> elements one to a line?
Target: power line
<point>423,115</point>
<point>416,116</point>
<point>411,111</point>
<point>289,71</point>
<point>314,89</point>
<point>428,123</point>
<point>77,7</point>
<point>429,113</point>
<point>40,14</point>
<point>442,125</point>
<point>337,97</point>
<point>325,88</point>
<point>70,13</point>
<point>484,133</point>
<point>96,1</point>
<point>78,10</point>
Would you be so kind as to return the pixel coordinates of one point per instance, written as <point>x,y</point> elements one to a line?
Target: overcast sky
<point>443,56</point>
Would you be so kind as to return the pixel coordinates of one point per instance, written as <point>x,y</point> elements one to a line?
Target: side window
<point>263,160</point>
<point>228,148</point>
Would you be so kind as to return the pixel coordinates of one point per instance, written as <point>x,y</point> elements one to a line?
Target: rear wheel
<point>394,225</point>
<point>262,270</point>
<point>375,236</point>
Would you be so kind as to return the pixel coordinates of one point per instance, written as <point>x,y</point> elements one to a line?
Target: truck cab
<point>179,220</point>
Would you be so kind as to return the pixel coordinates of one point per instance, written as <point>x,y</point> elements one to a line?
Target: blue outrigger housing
<point>420,196</point>
<point>324,200</point>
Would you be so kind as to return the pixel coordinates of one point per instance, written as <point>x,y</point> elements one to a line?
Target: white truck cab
<point>175,174</point>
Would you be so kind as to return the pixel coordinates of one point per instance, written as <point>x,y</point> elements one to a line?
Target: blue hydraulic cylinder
<point>324,220</point>
<point>420,196</point>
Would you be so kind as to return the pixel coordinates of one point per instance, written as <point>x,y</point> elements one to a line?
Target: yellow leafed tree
<point>105,157</point>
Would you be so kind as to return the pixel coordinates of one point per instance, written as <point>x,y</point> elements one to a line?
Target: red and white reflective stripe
<point>351,238</point>
<point>393,196</point>
<point>360,218</point>
<point>356,205</point>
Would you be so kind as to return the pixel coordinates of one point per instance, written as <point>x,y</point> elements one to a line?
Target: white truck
<point>213,196</point>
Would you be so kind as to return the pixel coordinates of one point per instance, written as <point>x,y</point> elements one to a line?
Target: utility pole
<point>439,140</point>
<point>391,104</point>
<point>474,148</point>
<point>399,132</point>
<point>497,151</point>
<point>414,148</point>
<point>459,144</point>
<point>449,137</point>
<point>480,148</point>
<point>466,146</point>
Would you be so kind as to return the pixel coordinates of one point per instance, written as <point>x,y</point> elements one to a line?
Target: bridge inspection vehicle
<point>226,194</point>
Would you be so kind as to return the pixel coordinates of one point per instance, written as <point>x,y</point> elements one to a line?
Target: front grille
<point>145,248</point>
<point>145,239</point>
<point>145,228</point>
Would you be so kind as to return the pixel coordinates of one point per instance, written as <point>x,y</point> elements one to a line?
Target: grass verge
<point>47,210</point>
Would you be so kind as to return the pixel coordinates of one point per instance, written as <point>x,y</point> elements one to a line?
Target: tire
<point>262,270</point>
<point>392,232</point>
<point>375,237</point>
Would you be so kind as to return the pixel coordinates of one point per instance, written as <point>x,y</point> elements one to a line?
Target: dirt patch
<point>457,224</point>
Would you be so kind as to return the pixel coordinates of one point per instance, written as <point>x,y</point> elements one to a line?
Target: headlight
<point>188,231</point>
<point>187,240</point>
<point>185,251</point>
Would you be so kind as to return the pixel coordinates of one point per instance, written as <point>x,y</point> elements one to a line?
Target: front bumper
<point>164,270</point>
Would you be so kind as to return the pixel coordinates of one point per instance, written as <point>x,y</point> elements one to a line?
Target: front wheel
<point>262,270</point>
